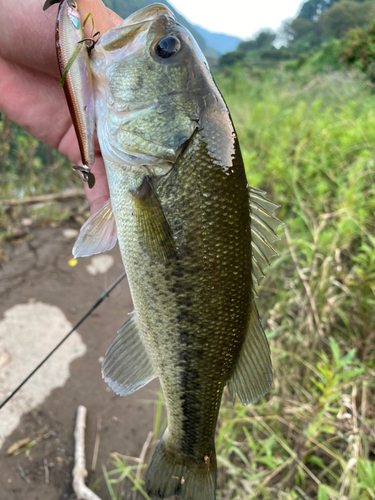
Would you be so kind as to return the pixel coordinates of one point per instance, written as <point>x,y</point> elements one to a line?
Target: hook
<point>86,174</point>
<point>91,45</point>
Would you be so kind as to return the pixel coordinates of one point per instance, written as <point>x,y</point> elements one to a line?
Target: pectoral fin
<point>252,376</point>
<point>126,366</point>
<point>98,234</point>
<point>153,228</point>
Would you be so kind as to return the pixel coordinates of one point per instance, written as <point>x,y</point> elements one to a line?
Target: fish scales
<point>212,314</point>
<point>188,320</point>
<point>182,211</point>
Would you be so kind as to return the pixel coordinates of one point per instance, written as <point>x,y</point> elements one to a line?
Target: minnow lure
<point>76,79</point>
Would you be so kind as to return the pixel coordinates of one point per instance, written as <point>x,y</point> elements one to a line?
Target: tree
<point>299,34</point>
<point>342,16</point>
<point>300,27</point>
<point>358,49</point>
<point>265,38</point>
<point>312,9</point>
<point>231,58</point>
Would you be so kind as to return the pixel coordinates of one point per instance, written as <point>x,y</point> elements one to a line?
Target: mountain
<point>220,42</point>
<point>212,44</point>
<point>126,7</point>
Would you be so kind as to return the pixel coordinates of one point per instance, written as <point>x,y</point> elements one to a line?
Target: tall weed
<point>309,142</point>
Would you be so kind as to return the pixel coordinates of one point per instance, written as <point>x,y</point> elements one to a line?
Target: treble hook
<point>91,45</point>
<point>86,174</point>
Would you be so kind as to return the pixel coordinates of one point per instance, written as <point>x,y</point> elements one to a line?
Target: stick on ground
<point>97,442</point>
<point>64,195</point>
<point>79,471</point>
<point>46,471</point>
<point>142,458</point>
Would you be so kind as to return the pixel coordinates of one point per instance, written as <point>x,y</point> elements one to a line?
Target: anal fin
<point>252,377</point>
<point>126,366</point>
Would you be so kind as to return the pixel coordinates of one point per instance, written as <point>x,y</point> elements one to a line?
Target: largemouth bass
<point>193,236</point>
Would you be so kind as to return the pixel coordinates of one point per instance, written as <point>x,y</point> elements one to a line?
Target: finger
<point>104,18</point>
<point>99,194</point>
<point>27,34</point>
<point>115,19</point>
<point>36,103</point>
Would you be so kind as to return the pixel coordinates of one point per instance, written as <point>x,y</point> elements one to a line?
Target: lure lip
<point>49,3</point>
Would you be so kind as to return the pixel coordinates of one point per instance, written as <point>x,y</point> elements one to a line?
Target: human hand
<point>30,91</point>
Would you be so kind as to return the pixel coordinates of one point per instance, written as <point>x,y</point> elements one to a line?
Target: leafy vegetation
<point>358,50</point>
<point>28,167</point>
<point>309,142</point>
<point>318,25</point>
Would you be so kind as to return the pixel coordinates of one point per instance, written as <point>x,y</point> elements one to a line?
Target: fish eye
<point>167,47</point>
<point>72,4</point>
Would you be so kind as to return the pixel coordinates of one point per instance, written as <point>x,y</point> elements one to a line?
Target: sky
<point>241,18</point>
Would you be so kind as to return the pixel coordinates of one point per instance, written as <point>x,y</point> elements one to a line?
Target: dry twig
<point>46,471</point>
<point>142,457</point>
<point>306,285</point>
<point>97,442</point>
<point>22,473</point>
<point>79,471</point>
<point>69,193</point>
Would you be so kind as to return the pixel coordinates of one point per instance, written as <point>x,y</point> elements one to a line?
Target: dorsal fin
<point>263,232</point>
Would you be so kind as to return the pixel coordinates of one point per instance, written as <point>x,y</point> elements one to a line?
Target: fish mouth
<point>133,26</point>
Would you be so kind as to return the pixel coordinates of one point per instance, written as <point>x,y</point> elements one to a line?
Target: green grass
<point>309,142</point>
<point>28,167</point>
<point>124,476</point>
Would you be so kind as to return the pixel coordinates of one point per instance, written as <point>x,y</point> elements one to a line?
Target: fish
<point>76,79</point>
<point>194,239</point>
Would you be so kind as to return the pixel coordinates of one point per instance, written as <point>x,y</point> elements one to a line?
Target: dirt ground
<point>38,270</point>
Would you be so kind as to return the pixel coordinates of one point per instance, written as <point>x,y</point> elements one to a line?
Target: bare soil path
<point>37,283</point>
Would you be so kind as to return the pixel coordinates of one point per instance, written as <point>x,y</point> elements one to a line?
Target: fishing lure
<point>76,80</point>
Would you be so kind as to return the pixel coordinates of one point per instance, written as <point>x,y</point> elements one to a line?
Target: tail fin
<point>166,476</point>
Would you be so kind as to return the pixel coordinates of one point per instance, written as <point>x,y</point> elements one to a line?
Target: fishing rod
<point>103,296</point>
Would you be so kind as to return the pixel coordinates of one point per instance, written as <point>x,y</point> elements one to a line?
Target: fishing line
<point>103,296</point>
